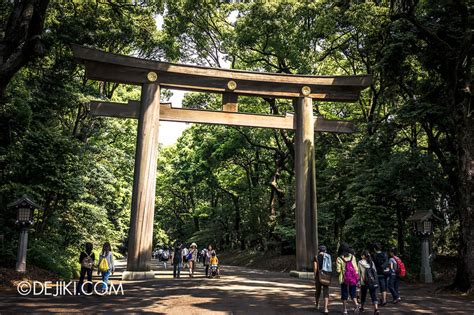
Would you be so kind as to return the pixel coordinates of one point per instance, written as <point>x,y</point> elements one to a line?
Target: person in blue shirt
<point>393,280</point>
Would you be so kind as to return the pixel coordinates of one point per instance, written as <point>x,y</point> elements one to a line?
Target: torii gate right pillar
<point>306,211</point>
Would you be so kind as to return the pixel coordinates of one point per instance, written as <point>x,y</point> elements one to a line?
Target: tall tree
<point>21,40</point>
<point>437,89</point>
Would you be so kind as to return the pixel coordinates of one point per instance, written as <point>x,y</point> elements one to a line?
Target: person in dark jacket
<point>86,259</point>
<point>380,259</point>
<point>177,260</point>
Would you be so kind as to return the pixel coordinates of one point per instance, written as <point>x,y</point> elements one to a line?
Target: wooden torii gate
<point>152,75</point>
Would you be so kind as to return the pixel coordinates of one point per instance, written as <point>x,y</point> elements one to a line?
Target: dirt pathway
<point>239,291</point>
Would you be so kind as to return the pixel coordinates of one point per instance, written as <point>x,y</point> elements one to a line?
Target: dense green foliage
<point>369,183</point>
<point>234,187</point>
<point>79,169</point>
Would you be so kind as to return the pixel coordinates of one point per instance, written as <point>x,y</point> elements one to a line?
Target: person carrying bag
<point>106,265</point>
<point>86,259</point>
<point>322,276</point>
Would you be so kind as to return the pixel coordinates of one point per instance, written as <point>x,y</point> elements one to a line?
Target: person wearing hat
<point>192,258</point>
<point>322,276</point>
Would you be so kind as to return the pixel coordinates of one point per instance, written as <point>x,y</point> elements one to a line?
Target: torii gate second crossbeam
<point>152,75</point>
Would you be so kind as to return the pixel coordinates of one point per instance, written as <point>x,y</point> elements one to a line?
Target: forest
<point>234,186</point>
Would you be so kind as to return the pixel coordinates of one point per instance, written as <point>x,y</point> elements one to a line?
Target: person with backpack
<point>383,270</point>
<point>368,281</point>
<point>165,256</point>
<point>177,261</point>
<point>353,252</point>
<point>396,265</point>
<point>346,267</point>
<point>106,264</point>
<point>86,259</point>
<point>159,253</point>
<point>322,276</point>
<point>192,258</point>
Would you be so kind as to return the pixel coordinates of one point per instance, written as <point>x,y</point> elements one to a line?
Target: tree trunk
<point>238,231</point>
<point>454,67</point>
<point>49,205</point>
<point>464,144</point>
<point>400,234</point>
<point>464,194</point>
<point>195,215</point>
<point>22,40</point>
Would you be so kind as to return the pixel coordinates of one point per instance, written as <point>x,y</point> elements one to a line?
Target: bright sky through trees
<point>171,131</point>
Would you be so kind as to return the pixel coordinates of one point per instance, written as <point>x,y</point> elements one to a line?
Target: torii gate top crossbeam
<point>111,67</point>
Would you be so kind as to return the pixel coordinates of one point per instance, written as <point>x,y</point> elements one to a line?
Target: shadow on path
<point>238,291</point>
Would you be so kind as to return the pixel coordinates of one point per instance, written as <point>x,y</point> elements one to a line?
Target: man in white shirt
<point>160,252</point>
<point>185,260</point>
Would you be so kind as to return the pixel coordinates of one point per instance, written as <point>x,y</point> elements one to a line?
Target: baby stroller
<point>214,272</point>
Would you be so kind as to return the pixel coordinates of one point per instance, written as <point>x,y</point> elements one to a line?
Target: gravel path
<point>238,291</point>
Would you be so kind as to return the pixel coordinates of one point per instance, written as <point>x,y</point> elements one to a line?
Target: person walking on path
<point>177,261</point>
<point>393,280</point>
<point>192,258</point>
<point>185,256</point>
<point>368,281</point>
<point>207,258</point>
<point>382,266</point>
<point>165,256</point>
<point>160,252</point>
<point>86,259</point>
<point>322,276</point>
<point>346,267</point>
<point>106,264</point>
<point>202,255</point>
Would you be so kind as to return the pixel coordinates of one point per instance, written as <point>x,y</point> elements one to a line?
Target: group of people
<point>162,254</point>
<point>182,257</point>
<point>105,267</point>
<point>374,270</point>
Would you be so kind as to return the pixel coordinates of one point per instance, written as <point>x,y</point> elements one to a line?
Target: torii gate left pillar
<point>144,186</point>
<point>306,211</point>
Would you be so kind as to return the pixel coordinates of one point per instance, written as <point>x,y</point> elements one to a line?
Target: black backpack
<point>381,261</point>
<point>371,279</point>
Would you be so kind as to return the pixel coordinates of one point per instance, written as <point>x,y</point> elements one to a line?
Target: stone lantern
<point>25,207</point>
<point>423,227</point>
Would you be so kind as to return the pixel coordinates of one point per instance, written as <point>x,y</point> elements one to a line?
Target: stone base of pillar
<point>302,274</point>
<point>21,267</point>
<point>138,275</point>
<point>425,276</point>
